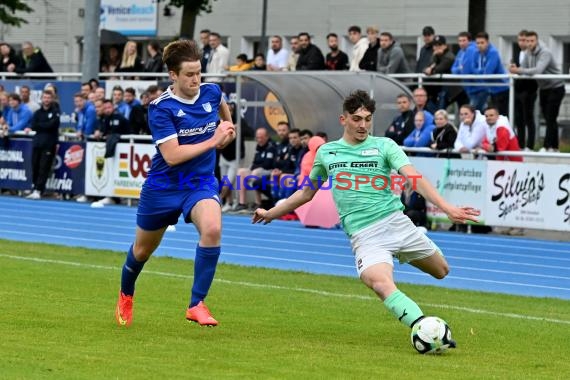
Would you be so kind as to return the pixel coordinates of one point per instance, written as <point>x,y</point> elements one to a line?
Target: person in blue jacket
<point>18,117</point>
<point>86,116</point>
<point>421,135</point>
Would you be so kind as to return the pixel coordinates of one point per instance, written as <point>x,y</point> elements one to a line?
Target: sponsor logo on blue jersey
<point>210,127</point>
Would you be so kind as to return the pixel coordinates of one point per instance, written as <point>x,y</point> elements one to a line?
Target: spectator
<point>442,60</point>
<point>310,56</point>
<point>129,100</point>
<point>426,52</point>
<point>525,99</point>
<point>277,56</point>
<point>336,59</point>
<point>138,120</point>
<point>463,64</point>
<point>539,60</point>
<point>500,135</point>
<point>18,116</point>
<point>284,166</point>
<point>421,135</point>
<point>130,63</point>
<point>443,136</point>
<point>53,89</point>
<point>360,44</point>
<point>45,123</point>
<point>488,61</point>
<point>86,89</point>
<point>391,59</point>
<point>112,62</point>
<point>322,135</point>
<point>25,93</point>
<point>369,60</point>
<point>259,62</point>
<point>403,124</point>
<point>423,103</point>
<point>154,62</point>
<point>94,83</point>
<point>10,60</point>
<point>305,135</point>
<point>99,93</point>
<point>294,55</point>
<point>118,100</point>
<point>219,57</point>
<point>472,129</point>
<point>206,49</point>
<point>33,61</point>
<point>242,63</point>
<point>414,206</point>
<point>4,105</point>
<point>86,116</point>
<point>263,163</point>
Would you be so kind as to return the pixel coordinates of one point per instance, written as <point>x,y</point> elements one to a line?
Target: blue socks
<point>204,270</point>
<point>131,270</point>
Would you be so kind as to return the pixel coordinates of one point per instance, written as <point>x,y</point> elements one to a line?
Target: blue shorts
<point>160,208</point>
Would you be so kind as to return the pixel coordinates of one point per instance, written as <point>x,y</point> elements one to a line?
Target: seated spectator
<point>18,116</point>
<point>403,124</point>
<point>33,61</point>
<point>259,62</point>
<point>444,135</point>
<point>262,165</point>
<point>86,116</point>
<point>10,60</point>
<point>421,135</point>
<point>472,129</point>
<point>242,63</point>
<point>130,63</point>
<point>500,135</point>
<point>414,206</point>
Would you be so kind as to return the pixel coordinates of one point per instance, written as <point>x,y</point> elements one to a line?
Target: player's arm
<point>422,186</point>
<point>299,198</point>
<point>225,115</point>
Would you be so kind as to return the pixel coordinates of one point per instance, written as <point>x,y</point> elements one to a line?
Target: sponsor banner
<point>16,164</point>
<point>69,169</point>
<point>129,17</point>
<point>460,182</point>
<point>120,176</point>
<point>528,196</point>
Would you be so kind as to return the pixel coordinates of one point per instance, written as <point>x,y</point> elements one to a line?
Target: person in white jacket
<point>472,130</point>
<point>358,49</point>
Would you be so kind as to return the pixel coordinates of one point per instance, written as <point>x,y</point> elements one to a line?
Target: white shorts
<point>394,236</point>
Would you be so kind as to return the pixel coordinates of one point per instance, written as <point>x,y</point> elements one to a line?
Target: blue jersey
<point>191,121</point>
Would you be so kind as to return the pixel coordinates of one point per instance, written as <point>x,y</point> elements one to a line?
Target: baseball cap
<point>439,40</point>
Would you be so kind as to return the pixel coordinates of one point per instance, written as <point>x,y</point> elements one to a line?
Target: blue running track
<point>478,262</point>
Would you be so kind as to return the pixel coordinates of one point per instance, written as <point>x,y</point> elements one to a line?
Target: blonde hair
<point>129,60</point>
<point>441,113</point>
<point>372,29</point>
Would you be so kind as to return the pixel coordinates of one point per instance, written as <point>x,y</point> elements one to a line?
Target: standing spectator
<point>472,129</point>
<point>219,57</point>
<point>463,64</point>
<point>10,60</point>
<point>118,100</point>
<point>277,56</point>
<point>45,123</point>
<point>33,60</point>
<point>86,116</point>
<point>369,60</point>
<point>138,120</point>
<point>99,93</point>
<point>112,62</point>
<point>18,116</point>
<point>310,56</point>
<point>130,100</point>
<point>86,89</point>
<point>130,63</point>
<point>444,135</point>
<point>391,59</point>
<point>442,60</point>
<point>539,60</point>
<point>525,98</point>
<point>206,49</point>
<point>500,135</point>
<point>294,55</point>
<point>488,61</point>
<point>154,62</point>
<point>336,59</point>
<point>360,44</point>
<point>25,93</point>
<point>426,52</point>
<point>403,124</point>
<point>259,62</point>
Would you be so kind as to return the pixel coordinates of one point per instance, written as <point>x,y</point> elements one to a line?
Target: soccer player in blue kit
<point>184,126</point>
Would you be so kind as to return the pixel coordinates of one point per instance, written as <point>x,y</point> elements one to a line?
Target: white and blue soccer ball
<point>431,335</point>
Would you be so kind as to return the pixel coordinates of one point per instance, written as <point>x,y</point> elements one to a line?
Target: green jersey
<point>361,179</point>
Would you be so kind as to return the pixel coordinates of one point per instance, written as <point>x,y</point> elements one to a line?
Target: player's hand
<point>261,215</point>
<point>462,214</point>
<point>224,133</point>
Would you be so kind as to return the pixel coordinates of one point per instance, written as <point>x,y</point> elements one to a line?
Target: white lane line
<point>291,289</point>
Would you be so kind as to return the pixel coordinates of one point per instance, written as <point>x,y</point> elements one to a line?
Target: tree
<point>8,9</point>
<point>190,10</point>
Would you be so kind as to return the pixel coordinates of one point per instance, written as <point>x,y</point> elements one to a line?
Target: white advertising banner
<point>118,176</point>
<point>528,195</point>
<point>460,182</point>
<point>129,17</point>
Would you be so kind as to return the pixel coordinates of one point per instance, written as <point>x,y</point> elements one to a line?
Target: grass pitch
<point>56,321</point>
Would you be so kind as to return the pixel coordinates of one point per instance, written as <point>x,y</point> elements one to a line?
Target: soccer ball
<point>431,335</point>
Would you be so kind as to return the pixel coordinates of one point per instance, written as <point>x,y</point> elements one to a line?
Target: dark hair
<point>259,55</point>
<point>428,31</point>
<point>153,88</point>
<point>492,107</point>
<point>118,88</point>
<point>469,107</point>
<point>216,34</point>
<point>15,96</point>
<point>107,101</point>
<point>87,84</point>
<point>387,34</point>
<point>403,95</point>
<point>358,99</point>
<point>523,32</point>
<point>295,130</point>
<point>484,35</point>
<point>79,95</point>
<point>180,51</point>
<point>205,31</point>
<point>242,56</point>
<point>306,132</point>
<point>532,33</point>
<point>465,34</point>
<point>131,91</point>
<point>48,92</point>
<point>154,45</point>
<point>322,134</point>
<point>304,34</point>
<point>355,28</point>
<point>94,82</point>
<point>332,35</point>
<point>25,86</point>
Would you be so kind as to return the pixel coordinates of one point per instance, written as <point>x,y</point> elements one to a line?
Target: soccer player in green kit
<point>370,214</point>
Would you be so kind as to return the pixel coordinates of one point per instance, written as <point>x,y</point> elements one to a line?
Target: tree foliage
<point>8,9</point>
<point>190,10</point>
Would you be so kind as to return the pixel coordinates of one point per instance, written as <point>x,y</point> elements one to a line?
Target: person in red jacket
<point>500,135</point>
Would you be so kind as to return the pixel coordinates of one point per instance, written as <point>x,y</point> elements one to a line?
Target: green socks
<point>403,308</point>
